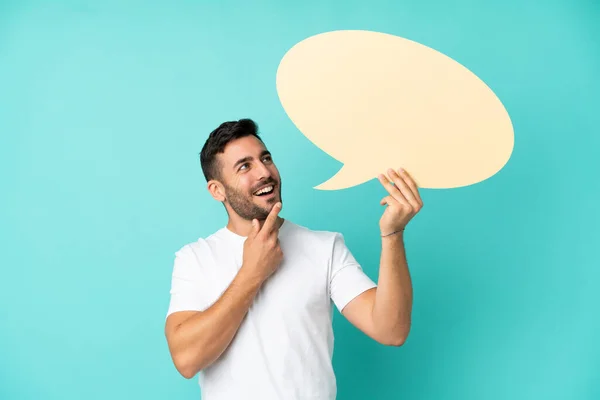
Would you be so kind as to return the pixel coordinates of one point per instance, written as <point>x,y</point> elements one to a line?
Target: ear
<point>216,190</point>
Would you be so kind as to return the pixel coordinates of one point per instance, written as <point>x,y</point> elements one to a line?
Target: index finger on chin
<point>269,224</point>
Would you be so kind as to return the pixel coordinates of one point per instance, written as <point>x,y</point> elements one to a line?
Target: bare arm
<point>384,313</point>
<point>197,338</point>
<point>392,306</point>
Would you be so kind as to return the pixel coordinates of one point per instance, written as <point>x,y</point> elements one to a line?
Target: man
<point>251,305</point>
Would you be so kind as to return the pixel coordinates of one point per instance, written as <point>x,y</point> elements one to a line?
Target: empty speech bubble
<point>373,100</point>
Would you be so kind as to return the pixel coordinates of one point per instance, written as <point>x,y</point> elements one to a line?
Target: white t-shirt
<point>284,346</point>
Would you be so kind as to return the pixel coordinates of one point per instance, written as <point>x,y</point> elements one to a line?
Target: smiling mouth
<point>265,191</point>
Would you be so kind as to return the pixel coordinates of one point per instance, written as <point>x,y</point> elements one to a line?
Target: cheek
<point>275,173</point>
<point>239,186</point>
<point>245,186</point>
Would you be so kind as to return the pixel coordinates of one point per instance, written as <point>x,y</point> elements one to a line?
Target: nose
<point>263,172</point>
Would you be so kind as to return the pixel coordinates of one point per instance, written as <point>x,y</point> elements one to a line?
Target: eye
<point>243,165</point>
<point>268,158</point>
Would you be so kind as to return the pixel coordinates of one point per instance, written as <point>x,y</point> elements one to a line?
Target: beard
<point>244,205</point>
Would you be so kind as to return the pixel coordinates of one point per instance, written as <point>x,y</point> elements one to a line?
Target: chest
<point>301,282</point>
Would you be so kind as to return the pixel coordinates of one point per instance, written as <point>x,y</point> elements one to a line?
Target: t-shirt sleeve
<point>187,292</point>
<point>347,280</point>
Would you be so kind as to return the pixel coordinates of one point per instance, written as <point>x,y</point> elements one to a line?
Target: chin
<point>269,207</point>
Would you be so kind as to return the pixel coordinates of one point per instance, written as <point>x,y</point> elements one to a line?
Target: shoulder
<point>192,259</point>
<point>191,249</point>
<point>194,251</point>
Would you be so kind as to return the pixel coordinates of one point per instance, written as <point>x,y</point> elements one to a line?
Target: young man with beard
<point>251,305</point>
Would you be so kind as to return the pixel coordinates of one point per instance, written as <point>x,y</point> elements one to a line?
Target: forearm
<point>202,338</point>
<point>393,300</point>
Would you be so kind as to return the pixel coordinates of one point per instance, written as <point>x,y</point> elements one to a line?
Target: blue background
<point>104,107</point>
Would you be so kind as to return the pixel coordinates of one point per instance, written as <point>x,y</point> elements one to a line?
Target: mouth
<point>266,191</point>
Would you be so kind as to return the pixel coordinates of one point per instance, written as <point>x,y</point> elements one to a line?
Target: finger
<point>403,187</point>
<point>393,190</point>
<point>389,200</point>
<point>412,185</point>
<point>255,228</point>
<point>269,224</point>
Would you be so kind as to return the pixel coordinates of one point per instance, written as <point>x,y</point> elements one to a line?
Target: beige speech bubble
<point>373,101</point>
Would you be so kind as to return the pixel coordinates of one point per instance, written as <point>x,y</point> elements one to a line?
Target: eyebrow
<point>249,158</point>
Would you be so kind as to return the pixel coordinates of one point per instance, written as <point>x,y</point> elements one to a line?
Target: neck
<point>243,227</point>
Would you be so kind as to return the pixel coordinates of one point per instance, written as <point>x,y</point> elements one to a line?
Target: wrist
<point>388,233</point>
<point>250,276</point>
<point>392,241</point>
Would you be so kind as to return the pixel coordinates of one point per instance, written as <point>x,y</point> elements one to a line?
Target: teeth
<point>265,190</point>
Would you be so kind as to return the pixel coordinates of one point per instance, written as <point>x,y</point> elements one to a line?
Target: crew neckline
<point>229,232</point>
